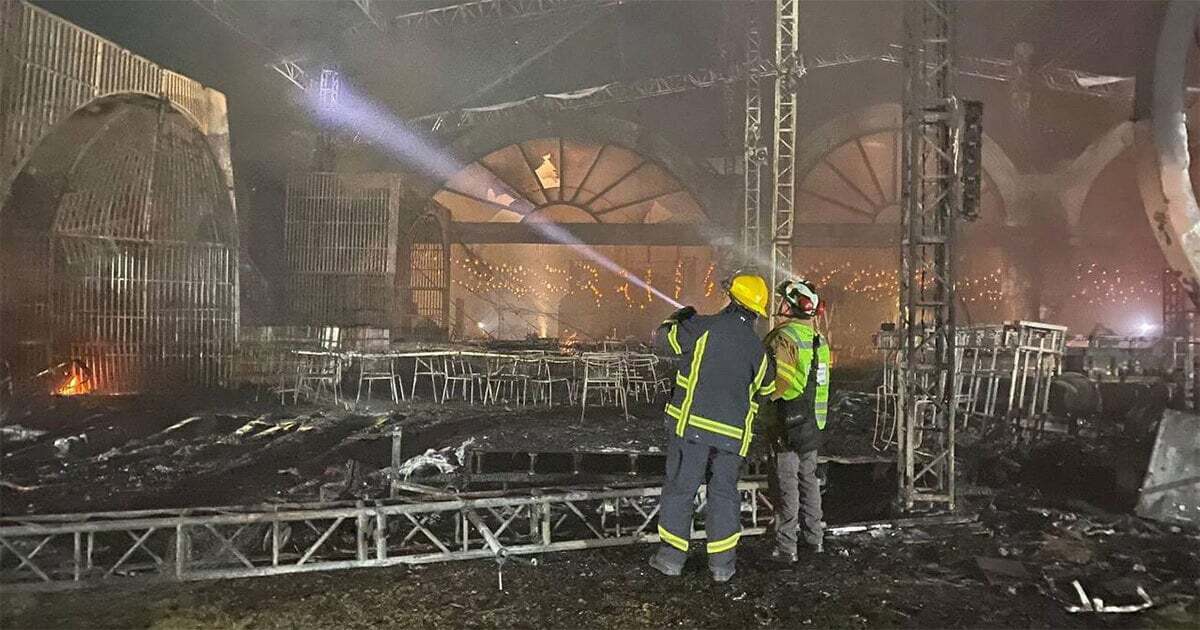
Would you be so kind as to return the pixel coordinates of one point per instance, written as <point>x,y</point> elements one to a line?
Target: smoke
<point>353,114</point>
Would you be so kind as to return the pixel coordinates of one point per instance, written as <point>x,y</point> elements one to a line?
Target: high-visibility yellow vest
<point>806,381</point>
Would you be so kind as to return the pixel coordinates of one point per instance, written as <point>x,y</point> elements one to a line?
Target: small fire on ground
<point>78,380</point>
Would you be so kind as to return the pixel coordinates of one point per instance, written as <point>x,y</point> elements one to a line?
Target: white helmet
<point>800,295</point>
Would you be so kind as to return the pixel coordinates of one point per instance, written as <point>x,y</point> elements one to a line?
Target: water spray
<point>356,115</point>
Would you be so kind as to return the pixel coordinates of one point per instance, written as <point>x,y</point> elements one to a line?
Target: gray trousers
<point>687,464</point>
<point>797,494</point>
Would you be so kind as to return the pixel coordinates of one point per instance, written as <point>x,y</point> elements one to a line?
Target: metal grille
<point>145,313</point>
<point>930,204</point>
<point>341,238</point>
<point>120,247</point>
<point>140,267</point>
<point>144,286</point>
<point>52,67</point>
<point>428,283</point>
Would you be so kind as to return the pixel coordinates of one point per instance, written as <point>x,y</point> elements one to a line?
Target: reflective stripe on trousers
<point>687,464</point>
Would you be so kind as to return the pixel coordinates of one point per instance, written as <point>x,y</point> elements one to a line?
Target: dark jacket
<point>722,368</point>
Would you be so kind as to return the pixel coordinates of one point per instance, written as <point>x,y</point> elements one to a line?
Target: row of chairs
<point>526,378</point>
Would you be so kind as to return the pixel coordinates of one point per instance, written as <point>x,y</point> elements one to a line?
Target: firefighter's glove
<point>682,315</point>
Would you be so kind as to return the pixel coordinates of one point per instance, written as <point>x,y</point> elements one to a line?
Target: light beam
<point>356,115</point>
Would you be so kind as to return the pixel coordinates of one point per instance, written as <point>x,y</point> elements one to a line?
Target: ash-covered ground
<point>1044,514</point>
<point>87,455</point>
<point>1013,567</point>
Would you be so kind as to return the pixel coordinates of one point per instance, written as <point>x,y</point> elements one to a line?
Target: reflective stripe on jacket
<point>722,367</point>
<point>800,351</point>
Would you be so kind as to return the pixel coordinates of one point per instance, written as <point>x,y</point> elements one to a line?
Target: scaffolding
<point>783,198</point>
<point>930,204</point>
<point>56,552</point>
<point>755,154</point>
<point>1179,328</point>
<point>1003,374</point>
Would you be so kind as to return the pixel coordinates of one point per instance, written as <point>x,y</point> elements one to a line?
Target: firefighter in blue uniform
<point>722,368</point>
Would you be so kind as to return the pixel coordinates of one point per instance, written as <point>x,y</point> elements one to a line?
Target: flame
<point>77,382</point>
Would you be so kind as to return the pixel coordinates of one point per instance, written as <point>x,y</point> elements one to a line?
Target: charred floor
<point>1037,518</point>
<point>392,313</point>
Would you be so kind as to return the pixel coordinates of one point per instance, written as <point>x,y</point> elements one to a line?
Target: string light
<point>847,285</point>
<point>678,279</point>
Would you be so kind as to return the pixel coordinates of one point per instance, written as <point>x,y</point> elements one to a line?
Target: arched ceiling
<point>858,181</point>
<point>848,169</point>
<point>565,180</point>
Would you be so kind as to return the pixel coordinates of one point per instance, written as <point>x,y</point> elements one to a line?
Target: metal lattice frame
<point>138,253</point>
<point>755,155</point>
<point>472,13</point>
<point>1179,327</point>
<point>328,87</point>
<point>929,207</point>
<point>783,199</point>
<point>51,68</point>
<point>71,551</point>
<point>341,237</point>
<point>1058,79</point>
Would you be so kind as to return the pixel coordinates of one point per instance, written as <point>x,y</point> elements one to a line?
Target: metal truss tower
<point>327,85</point>
<point>930,204</point>
<point>783,199</point>
<point>753,158</point>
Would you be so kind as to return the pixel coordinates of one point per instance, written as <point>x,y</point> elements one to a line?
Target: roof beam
<point>1058,79</point>
<point>368,9</point>
<point>849,235</point>
<point>490,11</point>
<point>291,71</point>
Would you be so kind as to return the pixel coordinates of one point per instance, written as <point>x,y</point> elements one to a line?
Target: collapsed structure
<point>516,263</point>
